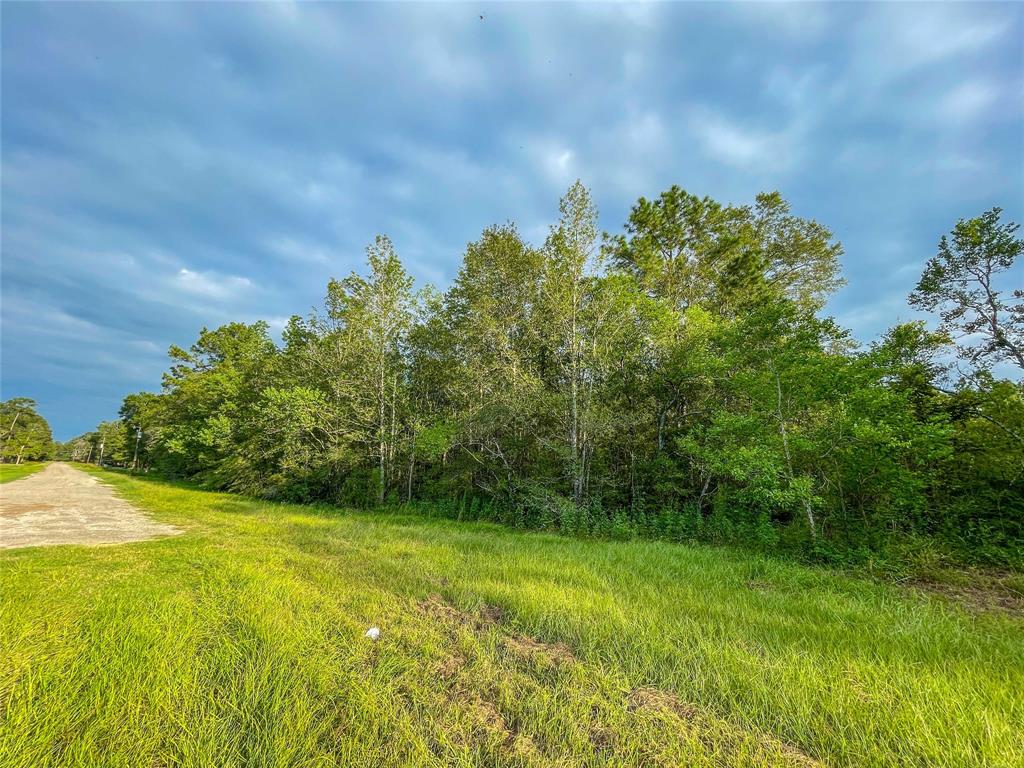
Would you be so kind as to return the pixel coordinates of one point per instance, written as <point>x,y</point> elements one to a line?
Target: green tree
<point>567,293</point>
<point>364,353</point>
<point>26,434</point>
<point>962,282</point>
<point>112,443</point>
<point>482,351</point>
<point>144,417</point>
<point>209,394</point>
<point>676,381</point>
<point>688,250</point>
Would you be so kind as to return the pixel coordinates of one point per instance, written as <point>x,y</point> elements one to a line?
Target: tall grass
<point>240,643</point>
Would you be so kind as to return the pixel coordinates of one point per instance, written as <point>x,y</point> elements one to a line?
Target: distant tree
<point>142,415</point>
<point>961,283</point>
<point>77,448</point>
<point>290,440</point>
<point>800,256</point>
<point>25,434</point>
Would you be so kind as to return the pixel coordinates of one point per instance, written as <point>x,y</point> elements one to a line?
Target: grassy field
<point>9,472</point>
<point>240,643</point>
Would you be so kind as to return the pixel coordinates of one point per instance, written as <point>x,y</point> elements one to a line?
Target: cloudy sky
<point>169,166</point>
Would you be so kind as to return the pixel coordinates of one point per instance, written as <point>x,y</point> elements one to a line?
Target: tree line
<point>675,380</point>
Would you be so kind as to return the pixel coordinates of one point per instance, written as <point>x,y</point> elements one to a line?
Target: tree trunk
<point>574,427</point>
<point>14,423</point>
<point>381,433</point>
<point>789,460</point>
<point>412,463</point>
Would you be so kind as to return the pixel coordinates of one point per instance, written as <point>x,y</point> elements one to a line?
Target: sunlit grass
<point>240,643</point>
<point>9,472</point>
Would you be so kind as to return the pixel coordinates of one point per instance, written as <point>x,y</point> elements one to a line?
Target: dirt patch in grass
<point>489,717</point>
<point>657,700</point>
<point>494,727</point>
<point>439,609</point>
<point>986,595</point>
<point>435,607</point>
<point>451,666</point>
<point>487,617</point>
<point>604,739</point>
<point>491,614</point>
<point>797,757</point>
<point>713,731</point>
<point>653,708</point>
<point>557,653</point>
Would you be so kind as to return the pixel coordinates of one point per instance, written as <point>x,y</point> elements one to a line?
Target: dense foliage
<point>677,380</point>
<point>24,434</point>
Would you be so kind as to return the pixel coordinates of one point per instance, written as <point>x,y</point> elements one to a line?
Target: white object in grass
<point>373,633</point>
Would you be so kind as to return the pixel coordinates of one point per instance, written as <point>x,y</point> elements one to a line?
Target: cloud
<point>212,285</point>
<point>557,163</point>
<point>969,101</point>
<point>750,148</point>
<point>898,39</point>
<point>940,34</point>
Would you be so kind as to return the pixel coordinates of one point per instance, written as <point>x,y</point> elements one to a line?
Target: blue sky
<point>169,166</point>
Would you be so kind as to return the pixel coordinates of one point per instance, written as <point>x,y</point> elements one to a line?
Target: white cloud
<point>549,156</point>
<point>969,101</point>
<point>558,163</point>
<point>938,35</point>
<point>739,145</point>
<point>897,38</point>
<point>645,131</point>
<point>211,284</point>
<point>276,325</point>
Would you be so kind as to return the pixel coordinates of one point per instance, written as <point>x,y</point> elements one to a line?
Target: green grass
<point>240,643</point>
<point>9,472</point>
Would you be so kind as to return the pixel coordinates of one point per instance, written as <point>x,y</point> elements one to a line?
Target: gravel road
<point>63,505</point>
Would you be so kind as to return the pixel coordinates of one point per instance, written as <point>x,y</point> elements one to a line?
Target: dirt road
<point>63,505</point>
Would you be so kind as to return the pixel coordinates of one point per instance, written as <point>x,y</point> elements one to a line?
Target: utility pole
<point>101,453</point>
<point>138,437</point>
